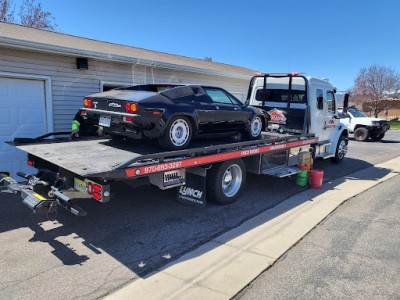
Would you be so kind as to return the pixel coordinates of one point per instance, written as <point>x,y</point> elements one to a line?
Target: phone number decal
<point>163,167</point>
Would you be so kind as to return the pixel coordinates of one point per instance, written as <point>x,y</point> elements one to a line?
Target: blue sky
<point>331,39</point>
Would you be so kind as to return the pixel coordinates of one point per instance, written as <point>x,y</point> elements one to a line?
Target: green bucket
<point>302,178</point>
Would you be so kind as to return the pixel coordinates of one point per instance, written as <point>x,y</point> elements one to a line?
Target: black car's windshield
<point>357,114</point>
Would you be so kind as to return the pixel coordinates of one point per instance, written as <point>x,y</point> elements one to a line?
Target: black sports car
<point>173,114</point>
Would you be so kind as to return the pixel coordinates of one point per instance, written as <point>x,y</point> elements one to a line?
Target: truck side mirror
<point>320,102</point>
<point>346,103</point>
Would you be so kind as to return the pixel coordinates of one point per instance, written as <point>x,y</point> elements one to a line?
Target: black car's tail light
<point>88,103</point>
<point>127,119</point>
<point>131,108</point>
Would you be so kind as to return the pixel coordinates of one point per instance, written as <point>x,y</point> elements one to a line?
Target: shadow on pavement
<point>145,228</point>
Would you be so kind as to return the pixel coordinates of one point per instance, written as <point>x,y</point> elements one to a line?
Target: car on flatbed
<point>174,115</point>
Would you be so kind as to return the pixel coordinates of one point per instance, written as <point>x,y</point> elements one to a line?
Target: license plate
<point>80,185</point>
<point>105,121</point>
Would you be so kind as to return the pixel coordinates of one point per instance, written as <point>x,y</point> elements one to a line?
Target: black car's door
<point>205,111</point>
<point>228,110</point>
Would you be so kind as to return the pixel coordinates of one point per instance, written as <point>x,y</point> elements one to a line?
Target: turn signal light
<point>294,74</point>
<point>131,108</point>
<point>88,103</point>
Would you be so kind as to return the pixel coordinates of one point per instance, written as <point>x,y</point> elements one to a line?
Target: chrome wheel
<point>232,180</point>
<point>255,126</point>
<point>179,132</point>
<point>342,149</point>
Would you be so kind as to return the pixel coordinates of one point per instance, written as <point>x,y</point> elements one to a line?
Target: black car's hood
<point>123,95</point>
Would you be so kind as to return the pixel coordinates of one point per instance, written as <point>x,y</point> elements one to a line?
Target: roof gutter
<point>66,51</point>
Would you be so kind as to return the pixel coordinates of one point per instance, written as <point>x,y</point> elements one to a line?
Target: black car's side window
<point>218,96</point>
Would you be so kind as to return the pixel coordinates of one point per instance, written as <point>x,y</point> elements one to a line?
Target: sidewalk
<point>222,267</point>
<point>353,254</point>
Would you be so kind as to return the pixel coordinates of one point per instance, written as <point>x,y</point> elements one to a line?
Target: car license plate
<point>80,185</point>
<point>105,121</point>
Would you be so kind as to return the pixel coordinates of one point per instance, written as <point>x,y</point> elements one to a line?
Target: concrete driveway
<point>68,257</point>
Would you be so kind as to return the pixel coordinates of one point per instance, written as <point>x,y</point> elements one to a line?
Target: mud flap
<point>194,191</point>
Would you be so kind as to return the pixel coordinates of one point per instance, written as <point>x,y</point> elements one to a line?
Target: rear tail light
<point>127,119</point>
<point>88,103</point>
<point>97,196</point>
<point>30,163</point>
<point>83,112</point>
<point>131,108</point>
<point>97,188</point>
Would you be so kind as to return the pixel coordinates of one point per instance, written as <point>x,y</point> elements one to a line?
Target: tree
<point>208,58</point>
<point>375,85</point>
<point>31,14</point>
<point>6,11</point>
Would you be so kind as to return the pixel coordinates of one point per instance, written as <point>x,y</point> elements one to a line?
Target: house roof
<point>21,37</point>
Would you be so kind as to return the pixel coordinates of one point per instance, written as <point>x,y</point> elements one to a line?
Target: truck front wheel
<point>361,134</point>
<point>225,181</point>
<point>341,150</point>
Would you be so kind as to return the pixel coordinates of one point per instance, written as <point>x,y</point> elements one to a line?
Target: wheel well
<point>345,133</point>
<point>360,126</point>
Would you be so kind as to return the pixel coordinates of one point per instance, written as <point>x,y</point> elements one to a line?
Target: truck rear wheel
<point>225,181</point>
<point>361,134</point>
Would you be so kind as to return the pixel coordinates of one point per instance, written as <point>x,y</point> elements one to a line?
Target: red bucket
<point>316,177</point>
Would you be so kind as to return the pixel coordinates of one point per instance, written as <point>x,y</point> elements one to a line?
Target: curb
<point>224,266</point>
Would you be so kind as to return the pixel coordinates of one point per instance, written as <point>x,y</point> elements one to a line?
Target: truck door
<point>324,123</point>
<point>330,118</point>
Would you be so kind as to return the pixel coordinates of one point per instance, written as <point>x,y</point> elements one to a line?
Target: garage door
<point>22,114</point>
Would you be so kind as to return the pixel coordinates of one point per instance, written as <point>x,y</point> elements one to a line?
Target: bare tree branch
<point>32,15</point>
<point>7,11</point>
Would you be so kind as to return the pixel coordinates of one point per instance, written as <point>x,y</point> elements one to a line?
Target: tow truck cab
<point>300,104</point>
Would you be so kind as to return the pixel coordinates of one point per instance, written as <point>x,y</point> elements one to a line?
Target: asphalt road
<point>68,257</point>
<point>352,254</point>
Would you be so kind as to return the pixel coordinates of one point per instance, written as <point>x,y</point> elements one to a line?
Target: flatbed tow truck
<point>204,171</point>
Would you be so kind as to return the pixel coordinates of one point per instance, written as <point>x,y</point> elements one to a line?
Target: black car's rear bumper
<point>138,128</point>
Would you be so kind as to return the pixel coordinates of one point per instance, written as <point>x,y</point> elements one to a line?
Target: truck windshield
<point>357,113</point>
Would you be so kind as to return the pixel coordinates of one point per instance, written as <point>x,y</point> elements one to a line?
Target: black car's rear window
<point>149,87</point>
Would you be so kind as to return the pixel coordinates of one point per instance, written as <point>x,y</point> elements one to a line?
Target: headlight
<point>376,123</point>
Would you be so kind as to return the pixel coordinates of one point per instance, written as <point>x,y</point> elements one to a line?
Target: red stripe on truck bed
<point>212,158</point>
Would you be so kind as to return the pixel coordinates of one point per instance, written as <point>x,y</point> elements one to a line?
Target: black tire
<point>170,141</point>
<point>377,137</point>
<point>252,132</point>
<point>361,134</point>
<point>216,177</point>
<point>341,150</point>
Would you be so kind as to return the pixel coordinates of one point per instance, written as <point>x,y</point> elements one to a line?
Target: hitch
<point>36,202</point>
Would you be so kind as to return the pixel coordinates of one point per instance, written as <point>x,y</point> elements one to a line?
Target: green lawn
<point>395,124</point>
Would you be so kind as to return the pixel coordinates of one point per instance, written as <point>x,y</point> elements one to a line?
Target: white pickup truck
<point>362,126</point>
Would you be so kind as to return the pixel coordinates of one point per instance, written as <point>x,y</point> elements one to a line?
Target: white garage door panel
<point>22,114</point>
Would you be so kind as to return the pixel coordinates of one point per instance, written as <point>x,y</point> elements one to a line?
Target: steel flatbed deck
<point>105,158</point>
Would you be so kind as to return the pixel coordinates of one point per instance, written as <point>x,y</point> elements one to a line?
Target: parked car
<point>172,114</point>
<point>362,126</point>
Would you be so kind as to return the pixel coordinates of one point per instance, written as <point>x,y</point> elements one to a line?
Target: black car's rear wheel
<point>255,128</point>
<point>177,135</point>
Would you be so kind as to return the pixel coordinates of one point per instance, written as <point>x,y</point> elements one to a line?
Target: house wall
<point>69,85</point>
